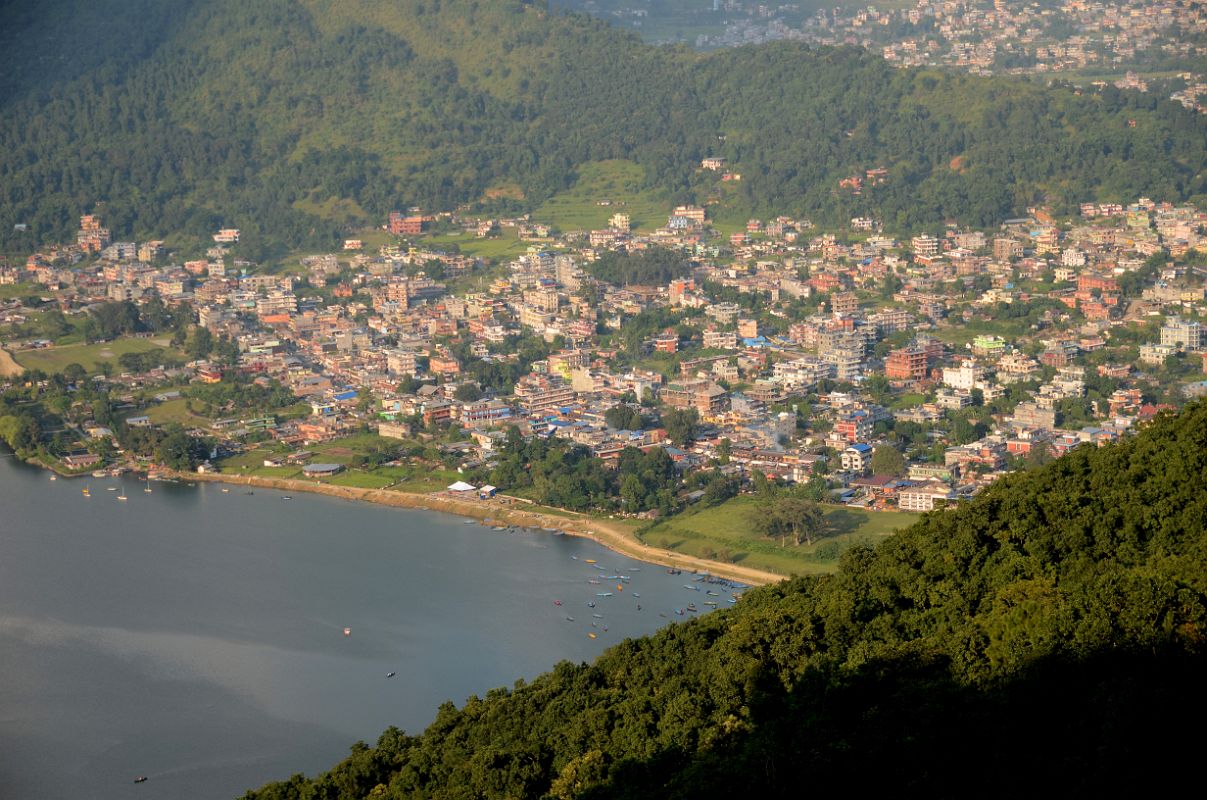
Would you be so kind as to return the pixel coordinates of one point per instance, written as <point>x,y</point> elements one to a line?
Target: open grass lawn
<point>909,400</point>
<point>10,291</point>
<point>89,356</point>
<point>503,246</point>
<point>962,333</point>
<point>176,411</point>
<point>725,531</point>
<point>360,479</point>
<point>617,183</point>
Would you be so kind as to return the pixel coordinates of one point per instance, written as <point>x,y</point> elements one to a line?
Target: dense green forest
<point>296,119</point>
<point>1046,638</point>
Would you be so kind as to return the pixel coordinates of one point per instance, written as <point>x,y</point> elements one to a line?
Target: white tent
<point>460,486</point>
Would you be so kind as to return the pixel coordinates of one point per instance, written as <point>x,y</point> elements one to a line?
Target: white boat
<point>122,496</point>
<point>54,477</point>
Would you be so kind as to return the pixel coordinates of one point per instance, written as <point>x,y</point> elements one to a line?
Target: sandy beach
<point>8,364</point>
<point>503,512</point>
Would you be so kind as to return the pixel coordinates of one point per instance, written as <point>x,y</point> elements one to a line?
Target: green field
<point>725,531</point>
<point>176,411</point>
<point>10,291</point>
<point>503,246</point>
<point>618,183</point>
<point>407,478</point>
<point>89,356</point>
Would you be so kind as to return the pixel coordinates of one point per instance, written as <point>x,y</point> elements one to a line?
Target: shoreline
<point>599,531</point>
<point>8,364</point>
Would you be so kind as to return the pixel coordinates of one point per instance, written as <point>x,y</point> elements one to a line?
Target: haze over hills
<point>298,119</point>
<point>1046,637</point>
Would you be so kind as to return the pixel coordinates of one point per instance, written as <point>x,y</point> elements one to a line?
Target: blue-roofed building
<point>857,458</point>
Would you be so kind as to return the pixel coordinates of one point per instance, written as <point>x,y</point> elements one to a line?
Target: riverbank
<point>8,365</point>
<point>500,512</point>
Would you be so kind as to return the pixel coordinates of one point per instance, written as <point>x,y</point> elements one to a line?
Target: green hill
<point>1047,638</point>
<point>297,119</point>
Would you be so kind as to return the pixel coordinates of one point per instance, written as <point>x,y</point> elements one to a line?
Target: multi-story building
<point>857,458</point>
<point>854,426</point>
<point>925,245</point>
<point>720,340</point>
<point>966,376</point>
<point>925,496</point>
<point>1183,334</point>
<point>539,393</point>
<point>906,364</point>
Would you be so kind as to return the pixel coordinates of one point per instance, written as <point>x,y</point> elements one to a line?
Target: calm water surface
<point>196,636</point>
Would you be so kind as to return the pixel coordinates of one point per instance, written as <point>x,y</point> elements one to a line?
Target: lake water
<point>196,636</point>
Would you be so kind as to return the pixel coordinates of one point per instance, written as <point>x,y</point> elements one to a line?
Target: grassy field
<point>418,478</point>
<point>959,335</point>
<point>619,183</point>
<point>89,356</point>
<point>505,246</point>
<point>10,291</point>
<point>176,411</point>
<point>724,532</point>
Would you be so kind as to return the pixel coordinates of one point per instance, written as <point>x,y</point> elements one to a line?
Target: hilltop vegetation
<point>297,119</point>
<point>1046,637</point>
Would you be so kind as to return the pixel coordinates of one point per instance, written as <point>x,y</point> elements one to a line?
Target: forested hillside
<point>294,119</point>
<point>1047,638</point>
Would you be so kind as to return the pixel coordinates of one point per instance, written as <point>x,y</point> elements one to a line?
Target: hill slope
<point>1049,637</point>
<point>257,114</point>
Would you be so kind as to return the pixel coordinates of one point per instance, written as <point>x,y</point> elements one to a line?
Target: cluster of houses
<point>1008,36</point>
<point>772,317</point>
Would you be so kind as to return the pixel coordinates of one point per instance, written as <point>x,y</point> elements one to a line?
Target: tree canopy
<point>295,120</point>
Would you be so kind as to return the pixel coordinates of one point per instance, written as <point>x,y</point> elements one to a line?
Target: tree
<point>468,392</point>
<point>74,373</point>
<point>624,417</point>
<point>887,460</point>
<point>681,425</point>
<point>784,515</point>
<point>201,345</point>
<point>1039,454</point>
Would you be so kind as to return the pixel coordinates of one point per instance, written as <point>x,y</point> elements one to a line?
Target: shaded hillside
<point>1047,637</point>
<point>260,115</point>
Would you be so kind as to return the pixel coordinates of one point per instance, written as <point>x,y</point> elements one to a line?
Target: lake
<point>197,636</point>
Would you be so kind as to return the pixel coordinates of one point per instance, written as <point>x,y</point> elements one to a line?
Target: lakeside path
<point>8,364</point>
<point>613,537</point>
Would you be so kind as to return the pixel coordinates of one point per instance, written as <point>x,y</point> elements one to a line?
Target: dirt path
<point>8,364</point>
<point>613,537</point>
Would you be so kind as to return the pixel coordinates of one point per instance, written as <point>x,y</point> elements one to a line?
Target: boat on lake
<point>603,594</point>
<point>141,779</point>
<point>347,631</point>
<point>87,491</point>
<point>122,496</point>
<point>391,674</point>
